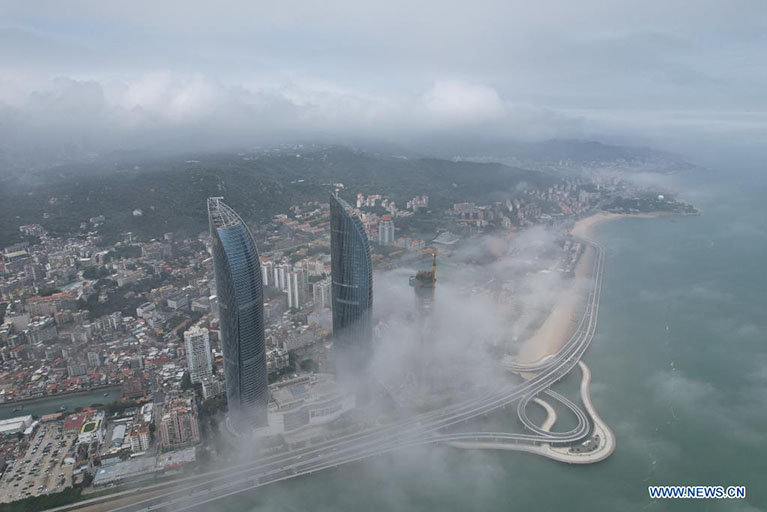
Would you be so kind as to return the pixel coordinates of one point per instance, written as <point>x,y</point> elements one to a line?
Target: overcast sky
<point>673,74</point>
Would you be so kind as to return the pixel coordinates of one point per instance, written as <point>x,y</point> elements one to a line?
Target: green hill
<point>171,192</point>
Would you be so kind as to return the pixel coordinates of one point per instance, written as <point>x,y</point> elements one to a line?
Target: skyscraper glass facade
<point>241,316</point>
<point>352,278</point>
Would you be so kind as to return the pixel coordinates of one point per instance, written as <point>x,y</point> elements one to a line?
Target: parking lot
<point>42,469</point>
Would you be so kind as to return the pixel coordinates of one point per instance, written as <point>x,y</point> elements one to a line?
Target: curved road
<point>199,490</point>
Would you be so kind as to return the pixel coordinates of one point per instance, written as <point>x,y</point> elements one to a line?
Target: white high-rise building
<point>198,357</point>
<point>321,292</point>
<point>267,273</point>
<point>139,438</point>
<point>296,288</point>
<point>386,232</point>
<point>94,361</point>
<point>281,276</point>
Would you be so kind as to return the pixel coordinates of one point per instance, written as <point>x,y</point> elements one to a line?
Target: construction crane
<point>423,283</point>
<point>429,277</point>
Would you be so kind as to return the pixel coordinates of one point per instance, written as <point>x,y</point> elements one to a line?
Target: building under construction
<point>424,283</point>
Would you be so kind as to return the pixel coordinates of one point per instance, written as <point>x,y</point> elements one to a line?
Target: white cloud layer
<point>112,75</point>
<point>464,102</point>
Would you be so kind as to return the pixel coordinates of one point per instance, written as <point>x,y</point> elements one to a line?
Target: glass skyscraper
<point>241,316</point>
<point>352,281</point>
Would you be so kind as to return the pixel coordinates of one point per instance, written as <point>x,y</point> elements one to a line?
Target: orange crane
<point>428,278</point>
<point>424,283</point>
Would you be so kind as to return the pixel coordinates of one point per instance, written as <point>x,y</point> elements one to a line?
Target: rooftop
<point>306,388</point>
<point>222,215</point>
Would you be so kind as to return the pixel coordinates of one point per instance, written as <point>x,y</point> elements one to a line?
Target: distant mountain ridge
<point>581,155</point>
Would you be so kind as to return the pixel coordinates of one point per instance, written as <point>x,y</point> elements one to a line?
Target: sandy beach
<point>556,329</point>
<point>558,326</point>
<point>584,227</point>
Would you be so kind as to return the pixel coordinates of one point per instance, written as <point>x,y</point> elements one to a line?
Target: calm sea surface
<point>679,368</point>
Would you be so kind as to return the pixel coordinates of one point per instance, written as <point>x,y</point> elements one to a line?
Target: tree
<point>309,365</point>
<point>89,273</point>
<point>44,501</point>
<point>212,406</point>
<point>44,292</point>
<point>105,283</point>
<point>118,406</point>
<point>186,381</point>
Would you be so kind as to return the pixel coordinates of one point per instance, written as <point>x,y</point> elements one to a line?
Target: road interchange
<point>200,490</point>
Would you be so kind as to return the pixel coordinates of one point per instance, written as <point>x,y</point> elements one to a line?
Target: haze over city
<point>382,256</point>
<point>102,76</point>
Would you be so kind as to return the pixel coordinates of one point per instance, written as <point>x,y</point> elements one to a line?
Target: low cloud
<point>163,110</point>
<point>690,78</point>
<point>464,102</point>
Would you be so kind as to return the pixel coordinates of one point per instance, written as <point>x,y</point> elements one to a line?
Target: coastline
<point>555,330</point>
<point>584,227</point>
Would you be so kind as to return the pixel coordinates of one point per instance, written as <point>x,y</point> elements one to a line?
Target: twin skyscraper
<point>241,303</point>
